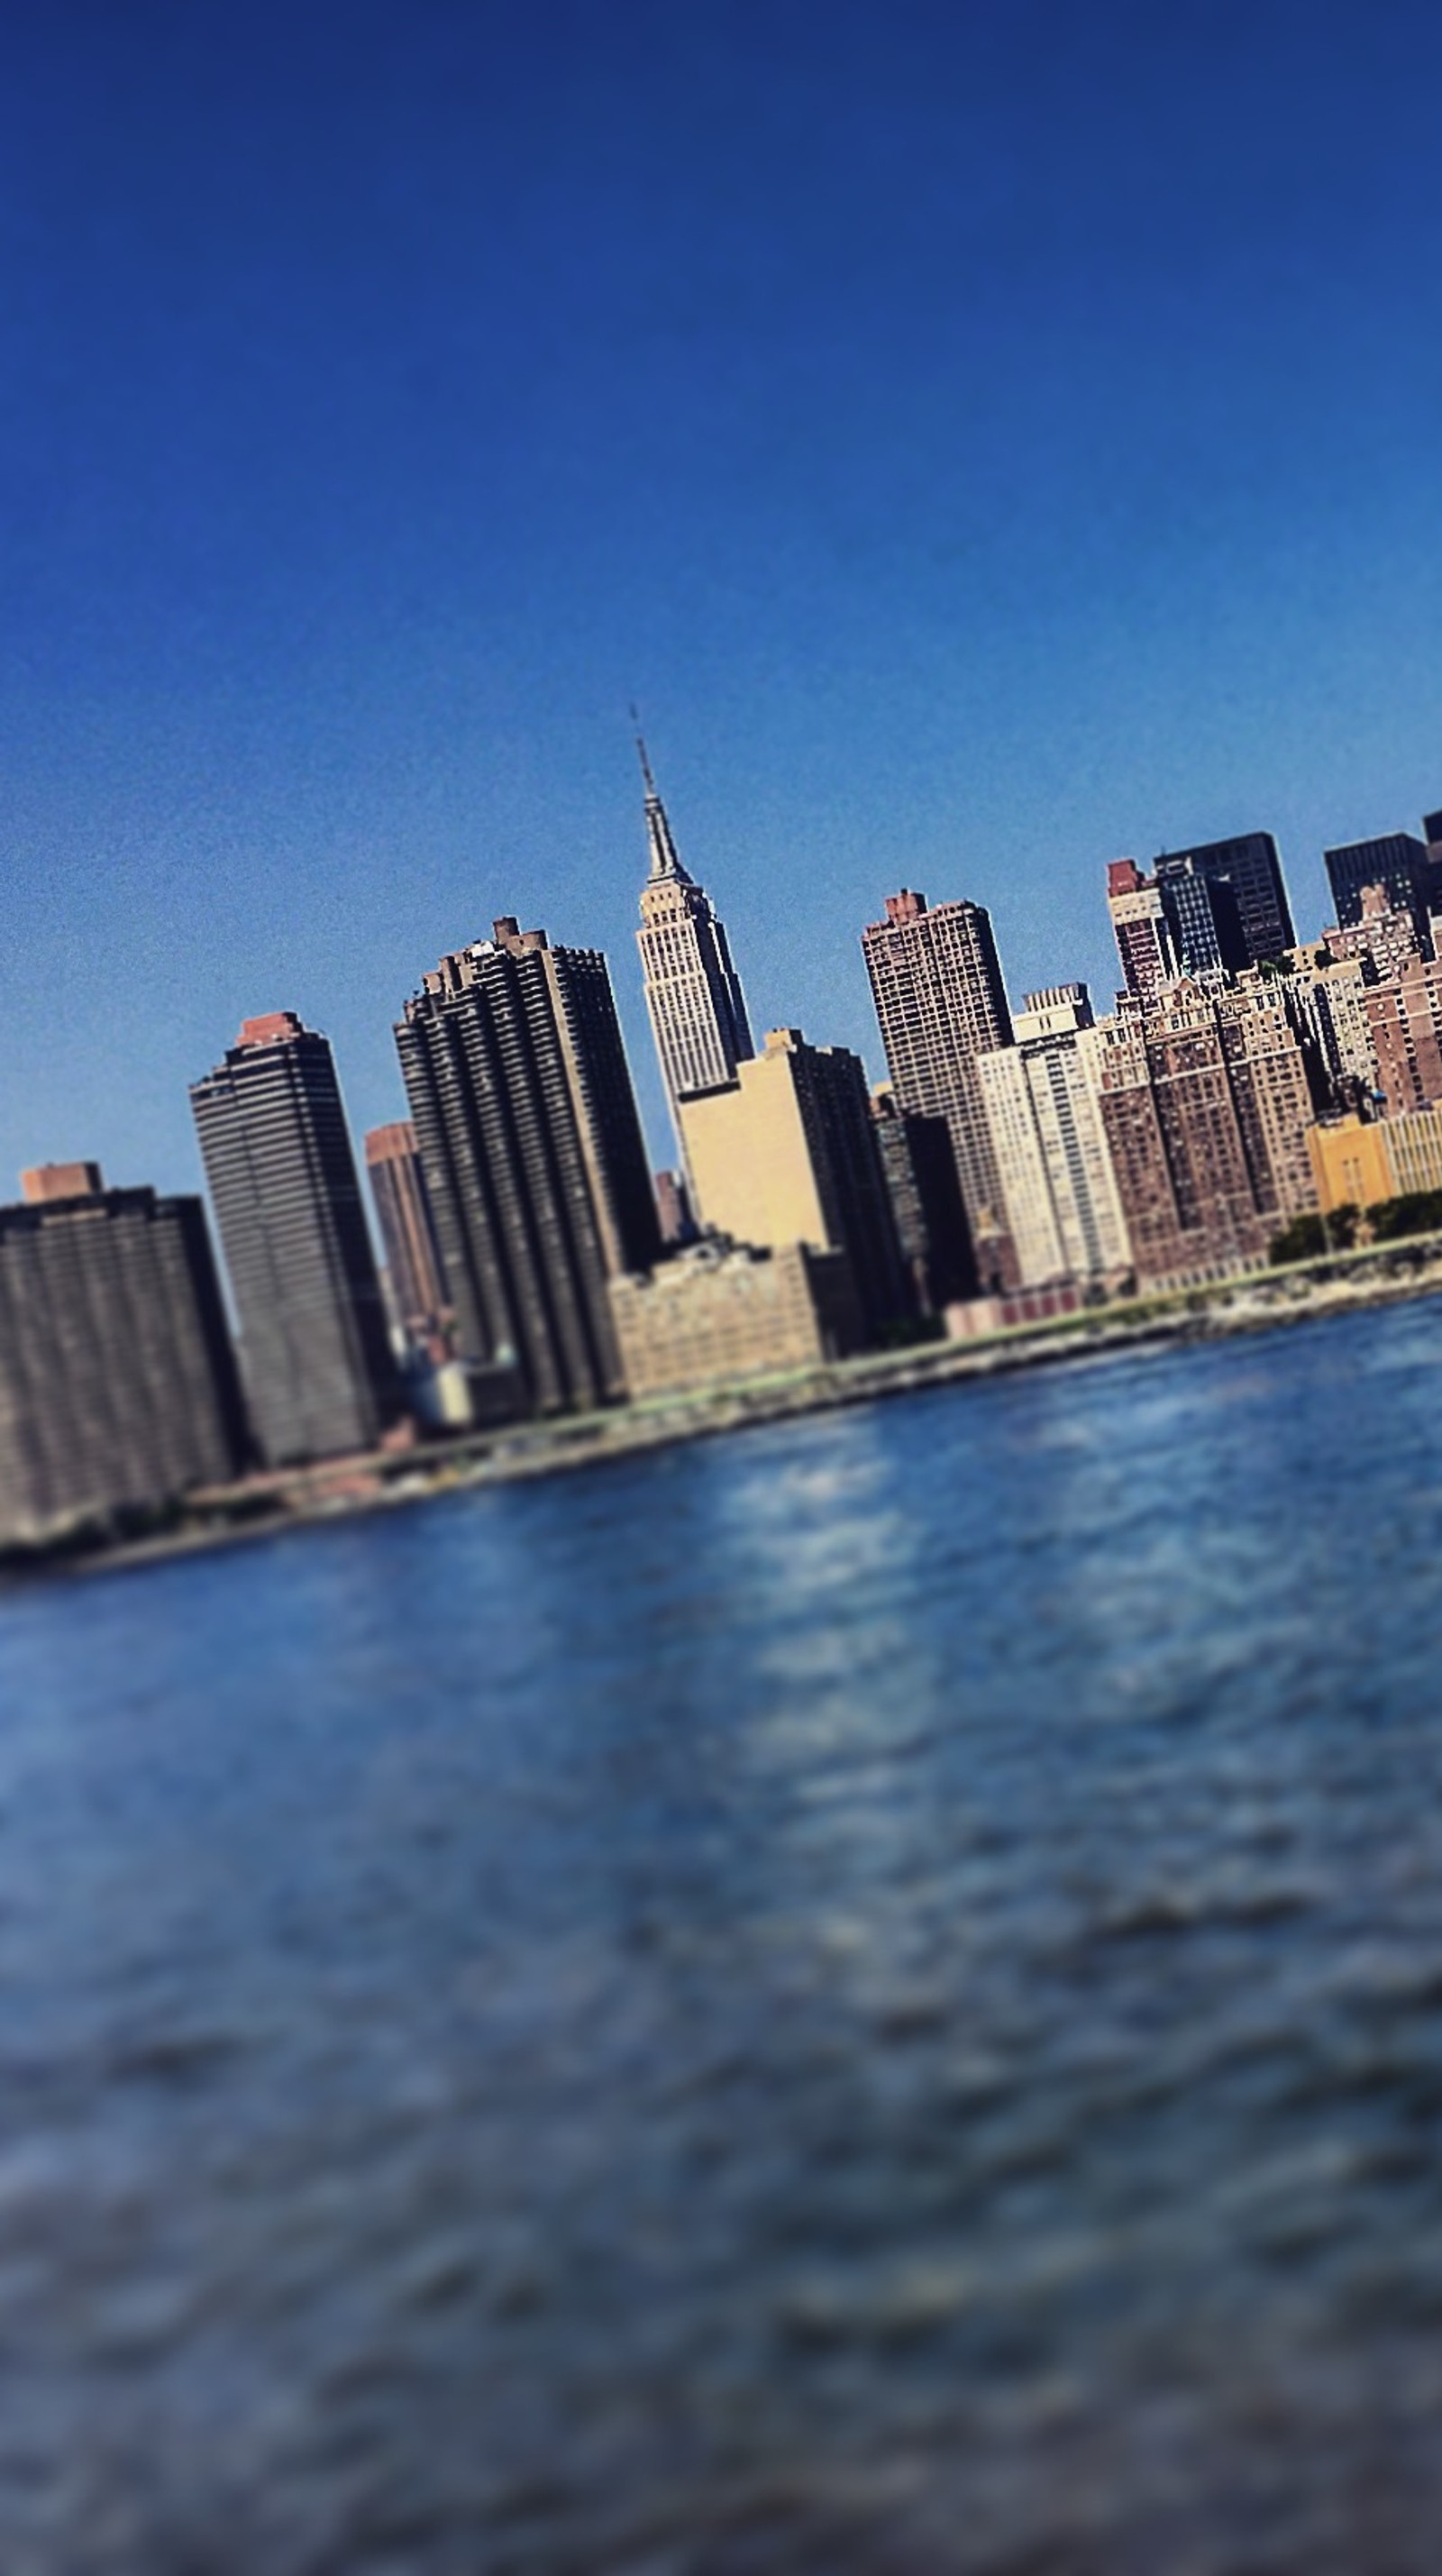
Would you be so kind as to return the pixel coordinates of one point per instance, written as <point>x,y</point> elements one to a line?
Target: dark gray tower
<point>287,1201</point>
<point>117,1380</point>
<point>1226,902</point>
<point>532,1153</point>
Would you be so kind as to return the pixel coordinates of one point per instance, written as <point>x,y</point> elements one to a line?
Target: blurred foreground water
<point>865,1996</point>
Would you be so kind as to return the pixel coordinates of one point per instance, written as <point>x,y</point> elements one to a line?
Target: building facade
<point>529,1206</point>
<point>602,1096</point>
<point>403,1212</point>
<point>1206,1099</point>
<point>1384,934</point>
<point>787,1154</point>
<point>673,1209</point>
<point>118,1384</point>
<point>940,1003</point>
<point>1142,930</point>
<point>919,1169</point>
<point>1398,862</point>
<point>693,992</point>
<point>318,1366</point>
<point>1227,902</point>
<point>720,1312</point>
<point>1063,1210</point>
<point>1404,1020</point>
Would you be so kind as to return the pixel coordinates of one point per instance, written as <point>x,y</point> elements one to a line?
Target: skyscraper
<point>531,1145</point>
<point>413,1261</point>
<point>1063,1211</point>
<point>693,992</point>
<point>282,1176</point>
<point>787,1154</point>
<point>1226,895</point>
<point>940,1001</point>
<point>602,1096</point>
<point>117,1380</point>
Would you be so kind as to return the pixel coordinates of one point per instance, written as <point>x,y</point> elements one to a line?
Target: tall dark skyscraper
<point>534,1166</point>
<point>921,1180</point>
<point>277,1155</point>
<point>117,1380</point>
<point>1226,902</point>
<point>940,1001</point>
<point>693,992</point>
<point>1399,862</point>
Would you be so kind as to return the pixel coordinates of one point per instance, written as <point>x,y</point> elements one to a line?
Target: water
<point>862,1997</point>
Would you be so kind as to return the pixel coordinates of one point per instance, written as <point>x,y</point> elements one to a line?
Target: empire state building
<point>693,992</point>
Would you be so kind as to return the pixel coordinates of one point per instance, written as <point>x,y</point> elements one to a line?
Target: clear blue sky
<point>985,439</point>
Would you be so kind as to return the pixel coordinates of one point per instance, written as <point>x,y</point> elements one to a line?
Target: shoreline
<point>265,1507</point>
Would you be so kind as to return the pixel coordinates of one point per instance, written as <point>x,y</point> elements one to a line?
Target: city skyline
<point>1106,979</point>
<point>949,523</point>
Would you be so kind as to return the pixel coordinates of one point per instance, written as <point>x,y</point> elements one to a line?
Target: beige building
<point>1041,1094</point>
<point>1356,1165</point>
<point>787,1153</point>
<point>721,1312</point>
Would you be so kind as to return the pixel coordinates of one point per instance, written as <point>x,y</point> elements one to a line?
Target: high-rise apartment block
<point>940,1002</point>
<point>117,1380</point>
<point>599,1080</point>
<point>531,1146</point>
<point>316,1354</point>
<point>787,1154</point>
<point>1042,1098</point>
<point>693,992</point>
<point>403,1211</point>
<point>1206,1098</point>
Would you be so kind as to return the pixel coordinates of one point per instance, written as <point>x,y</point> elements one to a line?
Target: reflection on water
<point>867,1996</point>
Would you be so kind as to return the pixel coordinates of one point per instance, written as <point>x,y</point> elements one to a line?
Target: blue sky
<point>985,440</point>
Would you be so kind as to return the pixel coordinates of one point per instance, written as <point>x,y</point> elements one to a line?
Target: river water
<point>865,1996</point>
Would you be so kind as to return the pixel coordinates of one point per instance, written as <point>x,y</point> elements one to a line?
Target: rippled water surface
<point>866,1996</point>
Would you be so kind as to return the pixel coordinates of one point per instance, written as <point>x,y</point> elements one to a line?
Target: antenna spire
<point>664,856</point>
<point>651,795</point>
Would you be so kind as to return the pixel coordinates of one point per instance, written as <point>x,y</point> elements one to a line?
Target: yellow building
<point>1356,1165</point>
<point>787,1153</point>
<point>721,1313</point>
